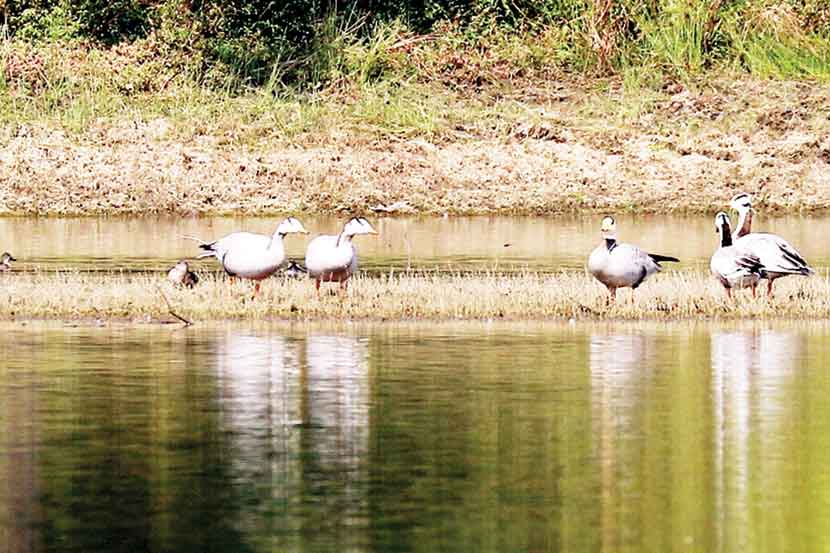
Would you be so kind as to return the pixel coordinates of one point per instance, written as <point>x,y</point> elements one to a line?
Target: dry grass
<point>138,298</point>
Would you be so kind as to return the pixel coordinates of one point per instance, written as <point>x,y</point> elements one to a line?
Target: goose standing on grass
<point>777,256</point>
<point>181,275</point>
<point>6,262</point>
<point>252,256</point>
<point>618,265</point>
<point>334,258</point>
<point>732,265</point>
<point>294,270</point>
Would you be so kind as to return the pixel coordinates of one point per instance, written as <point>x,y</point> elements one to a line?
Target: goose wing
<point>733,264</point>
<point>776,254</point>
<point>241,240</point>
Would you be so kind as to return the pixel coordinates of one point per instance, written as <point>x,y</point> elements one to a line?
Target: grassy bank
<point>460,120</point>
<point>557,147</point>
<point>143,298</point>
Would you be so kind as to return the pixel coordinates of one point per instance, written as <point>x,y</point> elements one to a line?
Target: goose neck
<point>744,222</point>
<point>344,238</point>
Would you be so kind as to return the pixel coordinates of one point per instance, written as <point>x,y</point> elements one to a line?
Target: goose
<point>778,256</point>
<point>294,270</point>
<point>618,265</point>
<point>331,258</point>
<point>5,262</point>
<point>181,275</point>
<point>252,256</point>
<point>732,265</point>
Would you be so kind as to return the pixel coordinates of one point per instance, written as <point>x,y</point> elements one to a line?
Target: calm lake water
<point>487,438</point>
<point>503,243</point>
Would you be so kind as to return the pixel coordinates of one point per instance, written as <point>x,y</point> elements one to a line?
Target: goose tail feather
<point>657,258</point>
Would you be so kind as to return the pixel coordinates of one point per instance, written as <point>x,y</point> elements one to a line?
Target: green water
<point>486,438</point>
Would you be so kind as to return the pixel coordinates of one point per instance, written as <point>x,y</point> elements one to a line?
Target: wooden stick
<point>170,309</point>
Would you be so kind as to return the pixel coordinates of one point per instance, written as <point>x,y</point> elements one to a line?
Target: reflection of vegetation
<point>605,437</point>
<point>132,457</point>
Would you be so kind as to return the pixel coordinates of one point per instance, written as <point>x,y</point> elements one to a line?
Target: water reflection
<point>297,411</point>
<point>752,374</point>
<point>486,438</point>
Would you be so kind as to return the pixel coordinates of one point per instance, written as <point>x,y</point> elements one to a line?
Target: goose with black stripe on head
<point>734,266</point>
<point>620,265</point>
<point>778,256</point>
<point>333,258</point>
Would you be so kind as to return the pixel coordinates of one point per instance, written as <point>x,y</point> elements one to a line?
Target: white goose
<point>777,256</point>
<point>332,258</point>
<point>5,262</point>
<point>252,256</point>
<point>731,264</point>
<point>618,265</point>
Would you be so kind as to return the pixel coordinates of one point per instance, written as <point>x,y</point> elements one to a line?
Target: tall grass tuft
<point>771,42</point>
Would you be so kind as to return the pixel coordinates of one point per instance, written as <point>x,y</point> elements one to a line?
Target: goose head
<point>358,225</point>
<point>741,203</point>
<point>6,258</point>
<point>609,227</point>
<point>291,225</point>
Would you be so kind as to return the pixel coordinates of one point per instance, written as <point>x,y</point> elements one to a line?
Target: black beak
<point>12,258</point>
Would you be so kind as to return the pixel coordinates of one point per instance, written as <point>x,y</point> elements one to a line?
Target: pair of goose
<point>329,258</point>
<point>741,261</point>
<point>745,257</point>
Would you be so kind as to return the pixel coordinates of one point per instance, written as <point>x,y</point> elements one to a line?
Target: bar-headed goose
<point>6,262</point>
<point>778,256</point>
<point>294,270</point>
<point>181,275</point>
<point>732,265</point>
<point>253,256</point>
<point>619,265</point>
<point>332,258</point>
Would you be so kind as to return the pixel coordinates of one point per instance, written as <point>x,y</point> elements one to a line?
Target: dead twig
<point>170,309</point>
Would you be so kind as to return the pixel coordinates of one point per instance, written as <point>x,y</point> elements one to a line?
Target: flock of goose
<point>742,260</point>
<point>328,258</point>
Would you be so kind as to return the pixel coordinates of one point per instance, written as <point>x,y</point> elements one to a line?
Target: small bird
<point>331,258</point>
<point>619,265</point>
<point>294,270</point>
<point>733,266</point>
<point>181,275</point>
<point>252,256</point>
<point>5,262</point>
<point>778,256</point>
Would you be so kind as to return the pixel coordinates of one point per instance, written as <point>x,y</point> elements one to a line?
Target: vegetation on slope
<point>451,106</point>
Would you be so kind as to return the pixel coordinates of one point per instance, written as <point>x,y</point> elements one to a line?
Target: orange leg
<point>729,292</point>
<point>317,285</point>
<point>754,292</point>
<point>256,289</point>
<point>769,289</point>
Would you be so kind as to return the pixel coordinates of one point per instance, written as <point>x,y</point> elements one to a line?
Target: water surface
<point>503,437</point>
<point>456,244</point>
